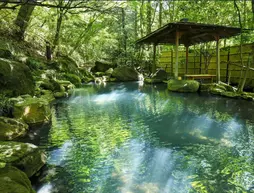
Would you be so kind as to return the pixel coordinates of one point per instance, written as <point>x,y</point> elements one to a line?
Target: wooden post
<point>186,58</point>
<point>217,38</point>
<point>154,59</point>
<point>176,56</point>
<point>228,64</point>
<point>172,62</point>
<point>200,60</point>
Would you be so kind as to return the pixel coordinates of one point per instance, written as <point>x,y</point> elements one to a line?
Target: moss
<point>15,78</point>
<point>183,85</point>
<point>34,63</point>
<point>74,79</point>
<point>27,157</point>
<point>152,80</point>
<point>60,94</point>
<point>11,128</point>
<point>125,73</point>
<point>4,53</point>
<point>13,180</point>
<point>34,111</point>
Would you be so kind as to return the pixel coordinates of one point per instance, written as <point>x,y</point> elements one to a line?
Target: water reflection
<point>141,138</point>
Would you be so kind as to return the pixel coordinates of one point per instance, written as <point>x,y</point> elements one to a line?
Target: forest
<point>126,96</point>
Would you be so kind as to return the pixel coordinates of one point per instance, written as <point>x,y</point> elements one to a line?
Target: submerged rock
<point>34,111</point>
<point>125,73</point>
<point>183,85</point>
<point>26,157</point>
<point>152,80</point>
<point>12,180</point>
<point>11,128</point>
<point>15,78</point>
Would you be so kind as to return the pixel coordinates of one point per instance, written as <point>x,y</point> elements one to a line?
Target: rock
<point>217,89</point>
<point>86,76</point>
<point>102,66</point>
<point>160,75</point>
<point>34,111</point>
<point>99,74</point>
<point>47,95</point>
<point>74,79</point>
<point>183,85</point>
<point>125,73</point>
<point>12,180</point>
<point>66,85</point>
<point>15,78</point>
<point>152,80</point>
<point>60,95</point>
<point>26,157</point>
<point>109,71</point>
<point>229,94</point>
<point>11,128</point>
<point>5,54</point>
<point>206,87</point>
<point>67,64</point>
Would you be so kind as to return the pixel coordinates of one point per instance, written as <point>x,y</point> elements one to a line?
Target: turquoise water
<point>134,138</point>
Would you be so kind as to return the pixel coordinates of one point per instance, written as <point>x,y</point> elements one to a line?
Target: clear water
<point>134,138</point>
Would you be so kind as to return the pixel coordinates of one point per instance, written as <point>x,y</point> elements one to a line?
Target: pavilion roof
<point>191,33</point>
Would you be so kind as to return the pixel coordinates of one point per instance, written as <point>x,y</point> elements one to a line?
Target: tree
<point>23,19</point>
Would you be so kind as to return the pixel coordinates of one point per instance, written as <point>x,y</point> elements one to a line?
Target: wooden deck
<point>200,76</point>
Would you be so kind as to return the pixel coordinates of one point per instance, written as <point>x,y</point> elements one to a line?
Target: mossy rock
<point>25,156</point>
<point>15,78</point>
<point>67,64</point>
<point>74,79</point>
<point>160,75</point>
<point>102,66</point>
<point>183,85</point>
<point>58,95</point>
<point>206,87</point>
<point>4,53</point>
<point>152,80</point>
<point>34,111</point>
<point>109,72</point>
<point>13,180</point>
<point>11,128</point>
<point>125,73</point>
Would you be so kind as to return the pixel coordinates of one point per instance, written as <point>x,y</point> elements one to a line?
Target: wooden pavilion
<point>188,33</point>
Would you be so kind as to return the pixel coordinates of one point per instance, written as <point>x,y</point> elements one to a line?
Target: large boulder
<point>102,66</point>
<point>15,78</point>
<point>12,180</point>
<point>160,74</point>
<point>183,85</point>
<point>11,128</point>
<point>25,156</point>
<point>4,53</point>
<point>33,111</point>
<point>125,73</point>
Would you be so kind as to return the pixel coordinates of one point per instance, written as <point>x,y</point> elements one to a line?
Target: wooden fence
<point>229,57</point>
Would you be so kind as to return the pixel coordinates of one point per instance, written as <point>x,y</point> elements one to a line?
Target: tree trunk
<point>58,29</point>
<point>124,35</point>
<point>23,19</point>
<point>149,17</point>
<point>252,14</point>
<point>160,13</point>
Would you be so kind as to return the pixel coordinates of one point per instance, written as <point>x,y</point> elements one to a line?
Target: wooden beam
<point>176,56</point>
<point>154,59</point>
<point>199,35</point>
<point>186,59</point>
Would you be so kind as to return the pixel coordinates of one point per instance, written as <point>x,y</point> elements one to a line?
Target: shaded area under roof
<point>190,33</point>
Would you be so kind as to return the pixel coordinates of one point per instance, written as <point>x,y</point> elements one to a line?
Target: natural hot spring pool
<point>133,138</point>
